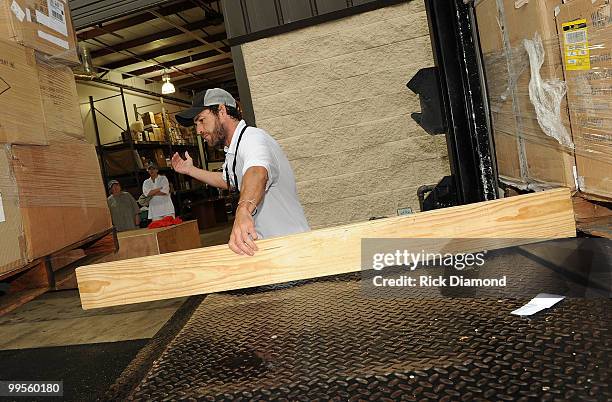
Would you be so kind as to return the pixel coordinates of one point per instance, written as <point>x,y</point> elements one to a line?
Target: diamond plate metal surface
<point>327,340</point>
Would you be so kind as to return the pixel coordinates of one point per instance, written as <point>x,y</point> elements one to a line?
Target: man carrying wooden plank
<point>255,167</point>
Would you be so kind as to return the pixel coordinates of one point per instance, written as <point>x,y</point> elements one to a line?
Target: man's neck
<point>231,129</point>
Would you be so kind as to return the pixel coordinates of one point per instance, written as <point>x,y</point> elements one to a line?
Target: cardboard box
<point>158,134</point>
<point>148,118</point>
<point>526,156</point>
<point>43,25</point>
<point>12,243</point>
<point>21,111</point>
<point>159,120</point>
<point>52,197</point>
<point>123,161</point>
<point>585,29</point>
<point>61,103</point>
<point>143,242</point>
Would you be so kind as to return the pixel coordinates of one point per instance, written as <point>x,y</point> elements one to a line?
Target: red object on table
<point>164,222</point>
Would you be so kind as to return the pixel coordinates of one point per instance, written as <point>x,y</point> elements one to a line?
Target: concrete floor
<point>215,236</point>
<point>57,319</point>
<point>53,338</point>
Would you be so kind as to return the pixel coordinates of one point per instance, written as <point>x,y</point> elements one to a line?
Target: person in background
<point>123,208</point>
<point>158,188</point>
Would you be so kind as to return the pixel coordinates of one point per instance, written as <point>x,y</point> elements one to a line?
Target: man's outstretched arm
<point>185,166</point>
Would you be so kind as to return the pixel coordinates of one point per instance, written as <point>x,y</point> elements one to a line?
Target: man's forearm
<point>253,187</point>
<point>244,233</point>
<point>214,179</point>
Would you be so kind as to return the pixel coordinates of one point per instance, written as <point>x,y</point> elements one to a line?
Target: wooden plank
<point>8,275</point>
<point>500,223</point>
<point>39,276</point>
<point>61,260</point>
<point>10,302</point>
<point>601,227</point>
<point>26,286</point>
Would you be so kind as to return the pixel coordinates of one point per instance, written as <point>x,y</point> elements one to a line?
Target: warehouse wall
<point>113,108</point>
<point>334,96</point>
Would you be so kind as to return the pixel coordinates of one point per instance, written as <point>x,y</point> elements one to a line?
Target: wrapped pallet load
<point>523,68</point>
<point>51,190</point>
<point>585,30</point>
<point>50,197</point>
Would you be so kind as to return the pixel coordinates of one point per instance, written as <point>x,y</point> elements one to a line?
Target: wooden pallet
<point>53,272</point>
<point>593,217</point>
<point>593,214</point>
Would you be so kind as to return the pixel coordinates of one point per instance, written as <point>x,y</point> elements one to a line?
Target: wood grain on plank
<point>330,251</point>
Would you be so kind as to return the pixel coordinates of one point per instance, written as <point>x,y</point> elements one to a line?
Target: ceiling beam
<point>191,83</point>
<point>188,32</point>
<point>230,86</point>
<point>178,62</point>
<point>135,20</point>
<point>199,68</point>
<point>158,53</point>
<point>162,35</point>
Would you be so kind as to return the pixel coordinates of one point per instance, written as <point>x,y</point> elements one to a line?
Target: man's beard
<point>218,137</point>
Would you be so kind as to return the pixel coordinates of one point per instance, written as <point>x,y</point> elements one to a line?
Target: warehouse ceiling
<point>186,39</point>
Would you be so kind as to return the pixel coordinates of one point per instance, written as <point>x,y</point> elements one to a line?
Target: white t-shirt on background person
<point>160,205</point>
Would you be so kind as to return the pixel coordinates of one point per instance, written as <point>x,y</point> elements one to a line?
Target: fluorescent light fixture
<point>168,87</point>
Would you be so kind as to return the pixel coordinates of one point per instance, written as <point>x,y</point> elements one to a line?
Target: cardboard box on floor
<point>21,111</point>
<point>544,162</point>
<point>585,30</point>
<point>43,25</point>
<point>51,197</point>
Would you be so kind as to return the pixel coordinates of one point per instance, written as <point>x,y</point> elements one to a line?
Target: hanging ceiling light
<point>168,87</point>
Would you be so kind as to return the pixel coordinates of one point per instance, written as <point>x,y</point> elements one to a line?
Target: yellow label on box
<point>576,45</point>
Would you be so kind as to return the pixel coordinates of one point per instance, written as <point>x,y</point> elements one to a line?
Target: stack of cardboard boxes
<point>585,34</point>
<point>576,40</point>
<point>51,190</point>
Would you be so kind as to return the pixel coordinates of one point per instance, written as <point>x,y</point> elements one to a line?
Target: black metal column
<point>463,97</point>
<point>99,147</point>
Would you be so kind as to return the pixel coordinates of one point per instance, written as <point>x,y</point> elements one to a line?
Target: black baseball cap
<point>201,100</point>
<point>152,165</point>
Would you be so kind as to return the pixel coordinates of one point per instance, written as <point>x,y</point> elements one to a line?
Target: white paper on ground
<point>538,303</point>
<point>2,217</point>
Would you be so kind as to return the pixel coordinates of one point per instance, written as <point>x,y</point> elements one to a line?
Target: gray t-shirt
<point>123,210</point>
